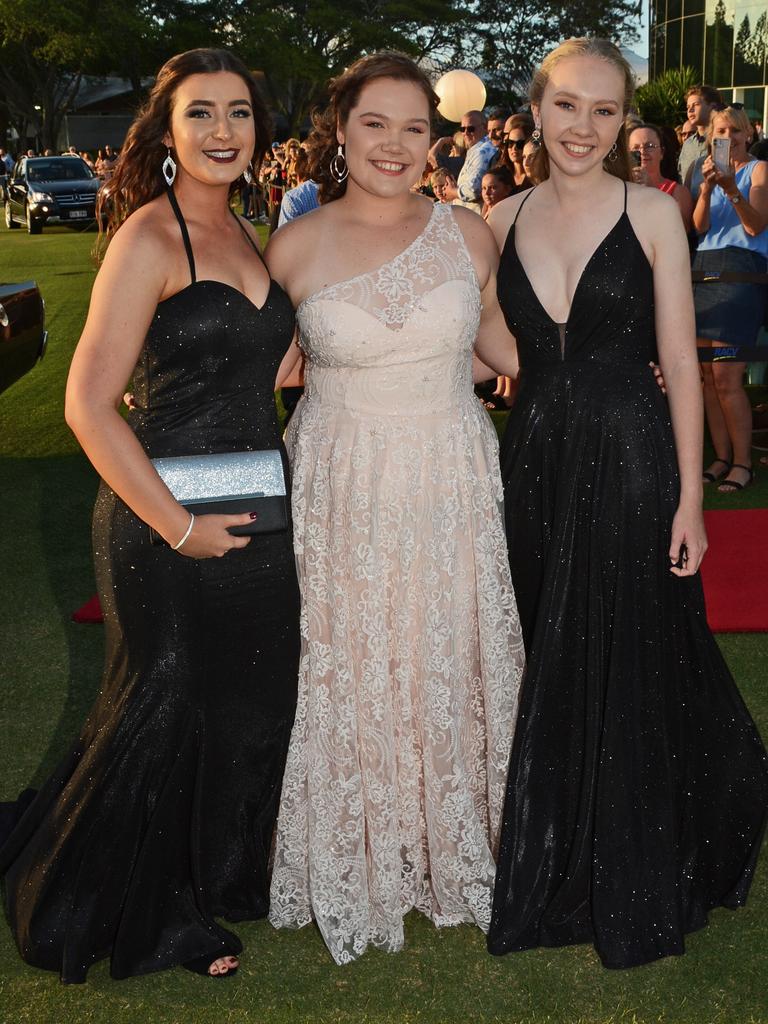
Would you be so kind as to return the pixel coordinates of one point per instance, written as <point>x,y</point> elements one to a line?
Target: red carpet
<point>90,613</point>
<point>735,571</point>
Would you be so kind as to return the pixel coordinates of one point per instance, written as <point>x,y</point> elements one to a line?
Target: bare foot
<point>223,965</point>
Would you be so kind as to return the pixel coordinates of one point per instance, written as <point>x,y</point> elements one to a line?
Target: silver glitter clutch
<point>229,484</point>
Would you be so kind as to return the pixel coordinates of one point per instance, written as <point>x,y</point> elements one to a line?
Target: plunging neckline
<point>562,323</point>
<point>374,270</point>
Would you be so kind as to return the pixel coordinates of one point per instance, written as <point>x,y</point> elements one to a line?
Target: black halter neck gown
<point>161,816</point>
<point>637,788</point>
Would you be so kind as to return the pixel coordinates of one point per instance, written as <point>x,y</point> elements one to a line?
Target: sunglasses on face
<point>469,129</point>
<point>517,143</point>
<point>646,147</point>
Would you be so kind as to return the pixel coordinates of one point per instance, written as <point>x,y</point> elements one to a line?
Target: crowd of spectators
<point>724,211</point>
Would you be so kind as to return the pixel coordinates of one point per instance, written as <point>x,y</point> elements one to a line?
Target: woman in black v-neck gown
<point>637,788</point>
<point>161,816</point>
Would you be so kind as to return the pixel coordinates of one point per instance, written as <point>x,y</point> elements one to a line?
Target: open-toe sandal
<point>714,477</point>
<point>729,486</point>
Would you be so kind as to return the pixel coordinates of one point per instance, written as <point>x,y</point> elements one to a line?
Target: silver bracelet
<point>186,535</point>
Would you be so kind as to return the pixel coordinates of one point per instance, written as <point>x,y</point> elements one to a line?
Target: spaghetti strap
<point>527,197</point>
<point>250,241</point>
<point>625,197</point>
<point>184,233</point>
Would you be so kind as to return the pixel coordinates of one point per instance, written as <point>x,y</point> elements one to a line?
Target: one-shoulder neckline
<point>375,270</point>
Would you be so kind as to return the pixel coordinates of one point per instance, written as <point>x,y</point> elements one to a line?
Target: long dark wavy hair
<point>617,163</point>
<point>138,177</point>
<point>344,93</point>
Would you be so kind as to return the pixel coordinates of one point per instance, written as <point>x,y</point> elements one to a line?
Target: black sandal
<point>711,478</point>
<point>202,965</point>
<point>734,485</point>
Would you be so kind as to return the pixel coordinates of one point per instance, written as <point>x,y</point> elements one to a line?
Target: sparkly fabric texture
<point>637,787</point>
<point>162,815</point>
<point>411,647</point>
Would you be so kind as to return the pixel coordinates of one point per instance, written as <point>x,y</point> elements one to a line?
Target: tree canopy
<point>46,46</point>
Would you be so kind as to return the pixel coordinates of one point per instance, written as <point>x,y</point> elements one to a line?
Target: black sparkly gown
<point>637,790</point>
<point>161,816</point>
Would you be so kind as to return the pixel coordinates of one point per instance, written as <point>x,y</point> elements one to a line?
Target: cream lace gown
<point>411,652</point>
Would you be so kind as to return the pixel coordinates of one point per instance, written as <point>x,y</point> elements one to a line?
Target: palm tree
<point>662,100</point>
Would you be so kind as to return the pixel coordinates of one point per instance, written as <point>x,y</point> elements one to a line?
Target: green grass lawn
<point>49,674</point>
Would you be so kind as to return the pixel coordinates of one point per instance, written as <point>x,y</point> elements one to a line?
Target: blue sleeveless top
<point>725,228</point>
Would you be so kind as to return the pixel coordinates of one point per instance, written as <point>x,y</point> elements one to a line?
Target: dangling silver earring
<point>169,169</point>
<point>339,169</point>
<point>248,173</point>
<point>613,152</point>
<point>536,136</point>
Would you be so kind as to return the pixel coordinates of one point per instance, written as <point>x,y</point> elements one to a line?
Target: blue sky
<point>641,45</point>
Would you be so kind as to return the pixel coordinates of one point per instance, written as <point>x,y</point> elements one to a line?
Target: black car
<point>22,330</point>
<point>50,190</point>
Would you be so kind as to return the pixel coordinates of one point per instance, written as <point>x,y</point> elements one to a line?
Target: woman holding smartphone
<point>731,214</point>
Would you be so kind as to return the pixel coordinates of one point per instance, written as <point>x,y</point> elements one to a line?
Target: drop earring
<point>248,174</point>
<point>169,169</point>
<point>339,169</point>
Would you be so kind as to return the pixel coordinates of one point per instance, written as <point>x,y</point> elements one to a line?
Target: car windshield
<point>69,168</point>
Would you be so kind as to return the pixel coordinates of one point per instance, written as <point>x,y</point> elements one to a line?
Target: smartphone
<point>721,154</point>
<point>636,156</point>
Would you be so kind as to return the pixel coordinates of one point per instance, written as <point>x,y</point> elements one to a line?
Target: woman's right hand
<point>210,536</point>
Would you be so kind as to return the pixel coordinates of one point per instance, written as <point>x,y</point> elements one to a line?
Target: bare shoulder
<point>147,240</point>
<point>760,173</point>
<point>502,216</point>
<point>295,238</point>
<point>477,235</point>
<point>644,202</point>
<point>655,220</point>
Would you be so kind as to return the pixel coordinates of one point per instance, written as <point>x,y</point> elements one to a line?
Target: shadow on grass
<point>47,660</point>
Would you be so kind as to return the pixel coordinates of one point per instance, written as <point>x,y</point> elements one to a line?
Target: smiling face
<point>515,144</point>
<point>494,190</point>
<point>725,126</point>
<point>646,142</point>
<point>212,130</point>
<point>386,137</point>
<point>496,131</point>
<point>581,113</point>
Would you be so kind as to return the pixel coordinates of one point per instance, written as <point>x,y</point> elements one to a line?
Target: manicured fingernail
<point>253,515</point>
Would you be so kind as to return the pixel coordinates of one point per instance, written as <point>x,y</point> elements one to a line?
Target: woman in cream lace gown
<point>411,654</point>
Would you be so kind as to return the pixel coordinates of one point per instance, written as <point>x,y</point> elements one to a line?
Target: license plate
<point>77,213</point>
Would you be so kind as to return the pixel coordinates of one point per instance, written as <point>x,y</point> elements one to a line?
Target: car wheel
<point>34,227</point>
<point>10,223</point>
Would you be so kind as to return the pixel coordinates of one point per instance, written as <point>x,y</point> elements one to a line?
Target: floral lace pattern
<point>411,647</point>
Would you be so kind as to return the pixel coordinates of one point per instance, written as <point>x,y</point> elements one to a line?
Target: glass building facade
<point>726,41</point>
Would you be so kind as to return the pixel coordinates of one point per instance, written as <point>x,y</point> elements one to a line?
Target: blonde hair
<point>602,49</point>
<point>736,118</point>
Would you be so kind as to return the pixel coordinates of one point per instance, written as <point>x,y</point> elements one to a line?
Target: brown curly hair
<point>138,177</point>
<point>344,93</point>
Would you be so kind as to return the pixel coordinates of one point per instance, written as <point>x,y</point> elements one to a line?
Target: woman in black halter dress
<point>637,788</point>
<point>161,816</point>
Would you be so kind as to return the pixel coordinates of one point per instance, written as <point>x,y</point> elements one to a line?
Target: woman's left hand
<point>689,541</point>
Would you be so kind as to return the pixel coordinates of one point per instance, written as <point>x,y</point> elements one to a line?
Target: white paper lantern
<point>459,92</point>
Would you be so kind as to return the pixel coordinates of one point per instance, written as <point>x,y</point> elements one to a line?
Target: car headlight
<point>40,197</point>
